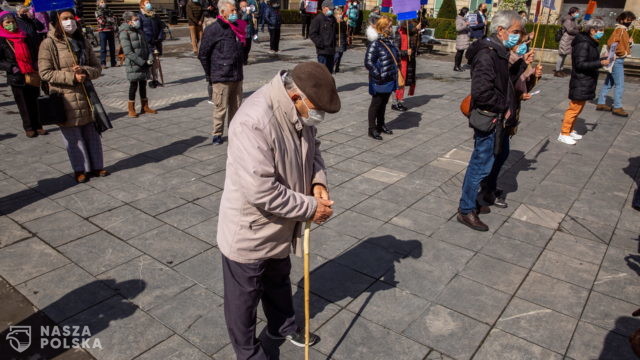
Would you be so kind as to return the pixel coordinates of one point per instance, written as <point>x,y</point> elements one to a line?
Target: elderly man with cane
<point>275,182</point>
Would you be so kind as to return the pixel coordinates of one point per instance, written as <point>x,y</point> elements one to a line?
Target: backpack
<point>559,34</point>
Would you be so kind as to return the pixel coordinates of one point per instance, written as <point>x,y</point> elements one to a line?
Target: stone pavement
<point>134,255</point>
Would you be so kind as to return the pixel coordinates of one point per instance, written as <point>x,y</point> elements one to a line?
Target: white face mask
<point>69,26</point>
<point>135,24</point>
<point>314,118</point>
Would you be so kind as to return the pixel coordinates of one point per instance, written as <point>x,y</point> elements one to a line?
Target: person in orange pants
<point>407,43</point>
<point>585,60</point>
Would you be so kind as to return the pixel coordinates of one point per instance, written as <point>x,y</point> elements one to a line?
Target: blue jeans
<point>615,79</point>
<point>490,184</point>
<point>106,38</point>
<point>336,60</point>
<point>479,167</point>
<point>326,60</point>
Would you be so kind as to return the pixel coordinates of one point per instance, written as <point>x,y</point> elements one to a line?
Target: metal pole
<point>307,286</point>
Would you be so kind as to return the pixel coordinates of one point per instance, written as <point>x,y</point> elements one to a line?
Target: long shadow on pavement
<point>26,333</point>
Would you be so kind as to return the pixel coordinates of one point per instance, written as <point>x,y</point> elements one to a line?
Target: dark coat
<point>403,43</point>
<point>585,63</point>
<point>380,62</point>
<point>153,29</point>
<point>195,13</point>
<point>491,88</point>
<point>273,18</point>
<point>477,31</point>
<point>136,52</point>
<point>323,34</point>
<point>221,53</point>
<point>8,59</point>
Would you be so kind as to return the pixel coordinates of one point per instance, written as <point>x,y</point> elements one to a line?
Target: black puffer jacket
<point>491,88</point>
<point>221,53</point>
<point>322,32</point>
<point>585,62</point>
<point>380,62</point>
<point>8,59</point>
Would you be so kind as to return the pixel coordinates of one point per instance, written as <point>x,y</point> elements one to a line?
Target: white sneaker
<point>575,136</point>
<point>210,102</point>
<point>567,139</point>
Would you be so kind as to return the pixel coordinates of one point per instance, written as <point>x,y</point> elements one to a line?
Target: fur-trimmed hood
<point>372,34</point>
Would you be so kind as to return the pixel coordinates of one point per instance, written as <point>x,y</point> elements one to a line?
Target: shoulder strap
<point>10,45</point>
<point>390,52</point>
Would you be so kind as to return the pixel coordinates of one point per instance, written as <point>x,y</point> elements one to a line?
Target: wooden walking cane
<point>307,287</point>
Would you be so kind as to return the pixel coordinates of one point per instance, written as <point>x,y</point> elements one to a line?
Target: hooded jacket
<point>136,52</point>
<point>54,63</point>
<point>272,163</point>
<point>491,88</point>
<point>585,63</point>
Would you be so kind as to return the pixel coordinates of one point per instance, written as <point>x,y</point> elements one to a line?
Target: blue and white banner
<point>549,4</point>
<point>50,5</point>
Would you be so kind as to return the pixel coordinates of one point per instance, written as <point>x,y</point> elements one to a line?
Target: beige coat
<point>55,62</point>
<point>269,177</point>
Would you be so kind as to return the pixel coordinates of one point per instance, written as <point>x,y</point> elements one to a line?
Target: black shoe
<point>457,68</point>
<point>483,209</point>
<point>501,202</point>
<point>402,107</point>
<point>385,129</point>
<point>496,198</point>
<point>297,338</point>
<point>337,70</point>
<point>472,220</point>
<point>375,134</point>
<point>395,107</point>
<point>217,140</point>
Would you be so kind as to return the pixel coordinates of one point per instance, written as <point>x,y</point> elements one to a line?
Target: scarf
<point>78,49</point>
<point>239,28</point>
<point>148,13</point>
<point>18,41</point>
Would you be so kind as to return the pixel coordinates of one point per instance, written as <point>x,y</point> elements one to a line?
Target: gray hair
<point>504,19</point>
<point>128,15</point>
<point>22,7</point>
<point>222,4</point>
<point>596,24</point>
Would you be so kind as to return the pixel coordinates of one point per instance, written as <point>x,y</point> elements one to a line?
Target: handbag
<point>483,121</point>
<point>400,76</point>
<point>51,107</point>
<point>465,106</point>
<point>31,79</point>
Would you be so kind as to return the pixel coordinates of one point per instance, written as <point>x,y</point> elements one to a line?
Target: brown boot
<point>132,109</point>
<point>559,74</point>
<point>603,107</point>
<point>473,221</point>
<point>145,107</point>
<point>620,112</point>
<point>81,177</point>
<point>30,133</point>
<point>42,132</point>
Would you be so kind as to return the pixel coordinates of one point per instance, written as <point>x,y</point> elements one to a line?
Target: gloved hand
<point>15,69</point>
<point>150,62</point>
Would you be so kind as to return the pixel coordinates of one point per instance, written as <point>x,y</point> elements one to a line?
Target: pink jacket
<point>272,163</point>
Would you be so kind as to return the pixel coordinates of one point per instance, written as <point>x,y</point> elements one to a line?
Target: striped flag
<point>406,9</point>
<point>591,7</point>
<point>385,6</point>
<point>535,17</point>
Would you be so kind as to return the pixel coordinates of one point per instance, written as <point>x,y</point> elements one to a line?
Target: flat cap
<point>317,83</point>
<point>328,3</point>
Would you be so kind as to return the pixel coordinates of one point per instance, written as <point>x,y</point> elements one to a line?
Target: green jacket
<point>136,52</point>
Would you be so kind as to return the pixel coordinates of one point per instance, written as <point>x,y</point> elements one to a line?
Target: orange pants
<point>404,66</point>
<point>570,116</point>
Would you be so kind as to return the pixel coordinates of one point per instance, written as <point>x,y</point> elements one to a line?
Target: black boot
<point>384,129</point>
<point>375,134</point>
<point>457,68</point>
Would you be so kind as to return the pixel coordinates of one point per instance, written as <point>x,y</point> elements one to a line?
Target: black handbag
<point>51,107</point>
<point>483,121</point>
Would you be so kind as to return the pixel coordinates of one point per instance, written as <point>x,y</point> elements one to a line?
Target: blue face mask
<point>329,12</point>
<point>233,18</point>
<point>576,15</point>
<point>512,41</point>
<point>522,49</point>
<point>598,35</point>
<point>148,6</point>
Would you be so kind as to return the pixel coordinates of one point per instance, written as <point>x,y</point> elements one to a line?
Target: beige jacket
<point>54,63</point>
<point>270,172</point>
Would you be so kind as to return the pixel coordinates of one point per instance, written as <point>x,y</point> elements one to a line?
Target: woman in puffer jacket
<point>138,61</point>
<point>381,60</point>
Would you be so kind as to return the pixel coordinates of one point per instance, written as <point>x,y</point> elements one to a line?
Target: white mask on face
<point>314,118</point>
<point>69,26</point>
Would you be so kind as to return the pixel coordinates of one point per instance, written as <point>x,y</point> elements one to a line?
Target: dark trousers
<point>306,23</point>
<point>247,50</point>
<point>490,183</point>
<point>274,39</point>
<point>480,165</point>
<point>244,286</point>
<point>336,60</point>
<point>26,98</point>
<point>107,38</point>
<point>636,198</point>
<point>327,60</point>
<point>376,110</point>
<point>133,87</point>
<point>458,60</point>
